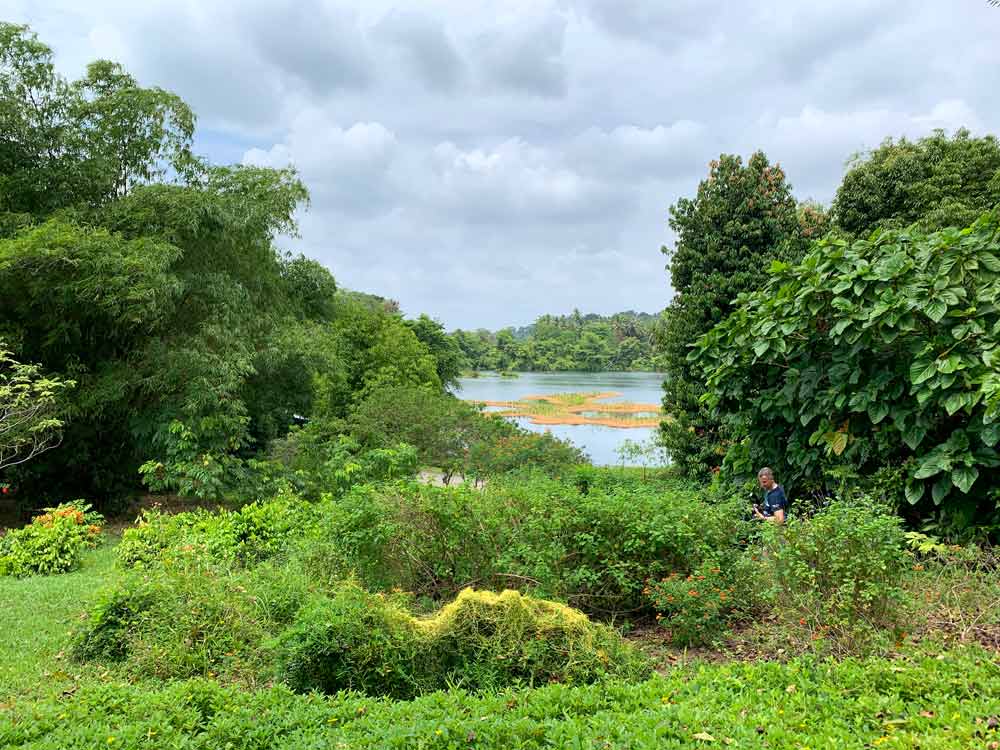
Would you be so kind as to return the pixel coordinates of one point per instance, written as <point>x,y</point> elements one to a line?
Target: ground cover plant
<point>936,701</point>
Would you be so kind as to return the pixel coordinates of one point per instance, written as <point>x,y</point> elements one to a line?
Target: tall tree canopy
<point>153,280</point>
<point>742,218</point>
<point>934,182</point>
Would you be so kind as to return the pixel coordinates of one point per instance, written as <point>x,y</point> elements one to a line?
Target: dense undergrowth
<point>932,701</point>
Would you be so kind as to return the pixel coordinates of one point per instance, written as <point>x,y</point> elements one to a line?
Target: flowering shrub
<point>696,607</point>
<point>52,542</point>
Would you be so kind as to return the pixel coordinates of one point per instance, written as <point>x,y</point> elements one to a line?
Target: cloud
<point>426,48</point>
<point>322,47</point>
<point>346,169</point>
<point>487,162</point>
<point>525,60</point>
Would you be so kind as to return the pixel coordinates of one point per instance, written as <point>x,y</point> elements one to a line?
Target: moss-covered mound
<point>481,640</point>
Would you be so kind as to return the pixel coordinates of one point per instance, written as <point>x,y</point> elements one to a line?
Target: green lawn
<point>36,613</point>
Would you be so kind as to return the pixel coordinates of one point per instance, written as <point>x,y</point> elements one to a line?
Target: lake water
<point>597,441</point>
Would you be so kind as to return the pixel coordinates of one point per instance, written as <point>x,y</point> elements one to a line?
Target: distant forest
<point>592,343</point>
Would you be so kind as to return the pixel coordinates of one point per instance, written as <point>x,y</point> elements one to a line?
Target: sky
<point>488,162</point>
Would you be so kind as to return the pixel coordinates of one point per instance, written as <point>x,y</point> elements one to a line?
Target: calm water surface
<point>597,441</point>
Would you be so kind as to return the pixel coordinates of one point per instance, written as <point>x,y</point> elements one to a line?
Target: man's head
<point>766,478</point>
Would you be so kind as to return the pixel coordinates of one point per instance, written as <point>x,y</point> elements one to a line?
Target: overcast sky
<point>486,162</point>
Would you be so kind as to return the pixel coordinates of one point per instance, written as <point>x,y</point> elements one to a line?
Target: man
<point>775,502</point>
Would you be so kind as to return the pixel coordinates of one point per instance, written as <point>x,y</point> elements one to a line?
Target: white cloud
<point>486,162</point>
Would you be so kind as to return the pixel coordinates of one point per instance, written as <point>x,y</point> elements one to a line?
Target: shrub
<point>594,550</point>
<point>698,607</point>
<point>313,461</point>
<point>246,536</point>
<point>52,542</point>
<point>192,617</point>
<point>360,641</point>
<point>839,570</point>
<point>881,352</point>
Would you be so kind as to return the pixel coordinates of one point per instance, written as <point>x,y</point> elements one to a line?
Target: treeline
<point>150,325</point>
<point>589,343</point>
<point>853,348</point>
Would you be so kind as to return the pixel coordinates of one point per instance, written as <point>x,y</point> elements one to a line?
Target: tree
<point>443,348</point>
<point>934,182</point>
<point>872,354</point>
<point>30,422</point>
<point>742,217</point>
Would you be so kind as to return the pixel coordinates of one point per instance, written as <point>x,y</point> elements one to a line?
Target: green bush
<point>698,607</point>
<point>593,550</point>
<point>878,353</point>
<point>839,570</point>
<point>190,616</point>
<point>314,461</point>
<point>360,641</point>
<point>246,536</point>
<point>52,542</point>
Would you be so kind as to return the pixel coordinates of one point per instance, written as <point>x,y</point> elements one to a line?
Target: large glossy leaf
<point>940,488</point>
<point>921,370</point>
<point>878,411</point>
<point>964,477</point>
<point>936,309</point>
<point>914,491</point>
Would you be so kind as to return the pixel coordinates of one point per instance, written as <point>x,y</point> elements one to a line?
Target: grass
<point>579,408</point>
<point>35,618</point>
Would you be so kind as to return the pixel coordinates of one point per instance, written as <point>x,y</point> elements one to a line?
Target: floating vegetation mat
<point>578,408</point>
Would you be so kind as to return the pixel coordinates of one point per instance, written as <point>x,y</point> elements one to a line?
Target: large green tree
<point>153,280</point>
<point>934,182</point>
<point>742,217</point>
<point>873,354</point>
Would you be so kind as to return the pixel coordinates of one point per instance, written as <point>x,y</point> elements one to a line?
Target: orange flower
<point>692,592</point>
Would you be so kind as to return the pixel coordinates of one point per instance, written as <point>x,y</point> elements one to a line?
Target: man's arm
<point>779,516</point>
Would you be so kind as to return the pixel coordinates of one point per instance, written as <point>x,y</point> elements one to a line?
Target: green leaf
<point>940,488</point>
<point>778,266</point>
<point>760,347</point>
<point>954,402</point>
<point>877,411</point>
<point>914,491</point>
<point>964,477</point>
<point>936,309</point>
<point>931,465</point>
<point>990,262</point>
<point>991,434</point>
<point>921,370</point>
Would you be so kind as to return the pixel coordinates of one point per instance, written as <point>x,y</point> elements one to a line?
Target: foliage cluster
<point>311,462</point>
<point>52,542</point>
<point>153,281</point>
<point>253,533</point>
<point>592,548</point>
<point>455,436</point>
<point>360,641</point>
<point>742,217</point>
<point>839,572</point>
<point>933,182</point>
<point>878,353</point>
<point>589,343</point>
<point>927,700</point>
<point>191,616</point>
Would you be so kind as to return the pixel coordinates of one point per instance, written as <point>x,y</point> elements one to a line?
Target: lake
<point>597,441</point>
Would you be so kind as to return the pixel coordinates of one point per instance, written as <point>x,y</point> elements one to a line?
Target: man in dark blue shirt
<point>775,502</point>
